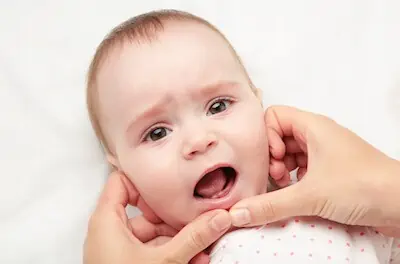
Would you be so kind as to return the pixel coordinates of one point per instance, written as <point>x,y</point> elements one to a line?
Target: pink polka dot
<point>297,220</point>
<point>258,251</point>
<point>291,253</point>
<point>262,236</point>
<point>362,233</point>
<point>275,254</point>
<point>330,241</point>
<point>236,262</point>
<point>362,250</point>
<point>348,244</point>
<point>312,226</point>
<point>330,228</point>
<point>329,257</point>
<point>310,255</point>
<point>294,236</point>
<point>283,225</point>
<point>347,259</point>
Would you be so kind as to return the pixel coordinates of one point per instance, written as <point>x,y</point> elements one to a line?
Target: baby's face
<point>184,124</point>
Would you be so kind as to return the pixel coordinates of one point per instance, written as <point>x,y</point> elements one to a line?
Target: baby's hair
<point>141,28</point>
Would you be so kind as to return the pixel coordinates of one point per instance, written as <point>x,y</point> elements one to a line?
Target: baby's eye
<point>157,134</point>
<point>219,106</point>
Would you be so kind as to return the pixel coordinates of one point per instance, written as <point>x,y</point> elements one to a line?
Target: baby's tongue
<point>211,184</point>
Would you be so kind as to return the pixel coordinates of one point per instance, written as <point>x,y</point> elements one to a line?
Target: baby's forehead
<point>176,42</point>
<point>180,28</point>
<point>178,32</point>
<point>178,62</point>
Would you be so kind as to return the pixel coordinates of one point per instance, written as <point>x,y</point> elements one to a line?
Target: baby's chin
<point>197,209</point>
<point>179,223</point>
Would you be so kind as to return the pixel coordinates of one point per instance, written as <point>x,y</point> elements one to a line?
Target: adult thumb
<point>291,201</point>
<point>198,235</point>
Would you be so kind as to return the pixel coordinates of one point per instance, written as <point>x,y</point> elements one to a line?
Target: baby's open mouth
<point>215,184</point>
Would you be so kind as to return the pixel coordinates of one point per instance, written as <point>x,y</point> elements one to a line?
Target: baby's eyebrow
<point>153,110</point>
<point>214,88</point>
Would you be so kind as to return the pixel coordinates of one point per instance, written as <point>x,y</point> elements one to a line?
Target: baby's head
<point>177,113</point>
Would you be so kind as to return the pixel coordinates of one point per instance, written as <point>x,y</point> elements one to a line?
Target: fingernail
<point>240,217</point>
<point>221,222</point>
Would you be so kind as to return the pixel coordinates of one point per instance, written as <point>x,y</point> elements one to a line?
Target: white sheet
<point>341,58</point>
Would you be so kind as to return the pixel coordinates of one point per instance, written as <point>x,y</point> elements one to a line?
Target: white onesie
<point>306,240</point>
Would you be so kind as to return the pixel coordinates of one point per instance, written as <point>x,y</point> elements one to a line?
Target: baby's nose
<point>199,144</point>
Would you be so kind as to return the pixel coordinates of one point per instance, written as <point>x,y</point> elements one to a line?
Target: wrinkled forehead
<point>184,55</point>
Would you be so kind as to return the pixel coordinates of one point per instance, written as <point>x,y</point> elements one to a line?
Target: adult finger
<point>289,122</point>
<point>290,162</point>
<point>198,235</point>
<point>277,169</point>
<point>294,200</point>
<point>292,146</point>
<point>118,191</point>
<point>301,160</point>
<point>276,145</point>
<point>158,241</point>
<point>144,230</point>
<point>285,180</point>
<point>147,212</point>
<point>390,231</point>
<point>286,120</point>
<point>301,172</point>
<point>201,258</point>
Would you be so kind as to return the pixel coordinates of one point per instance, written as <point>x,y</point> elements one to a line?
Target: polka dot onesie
<point>306,240</point>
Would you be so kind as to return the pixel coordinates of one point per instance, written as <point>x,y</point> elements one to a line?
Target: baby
<point>176,111</point>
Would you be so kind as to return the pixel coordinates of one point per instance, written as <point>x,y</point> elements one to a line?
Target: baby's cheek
<point>167,202</point>
<point>151,173</point>
<point>164,195</point>
<point>255,155</point>
<point>160,184</point>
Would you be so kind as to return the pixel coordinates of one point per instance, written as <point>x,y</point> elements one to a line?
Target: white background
<point>340,58</point>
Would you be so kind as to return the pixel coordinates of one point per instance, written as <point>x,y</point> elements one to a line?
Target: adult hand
<point>113,238</point>
<point>342,177</point>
